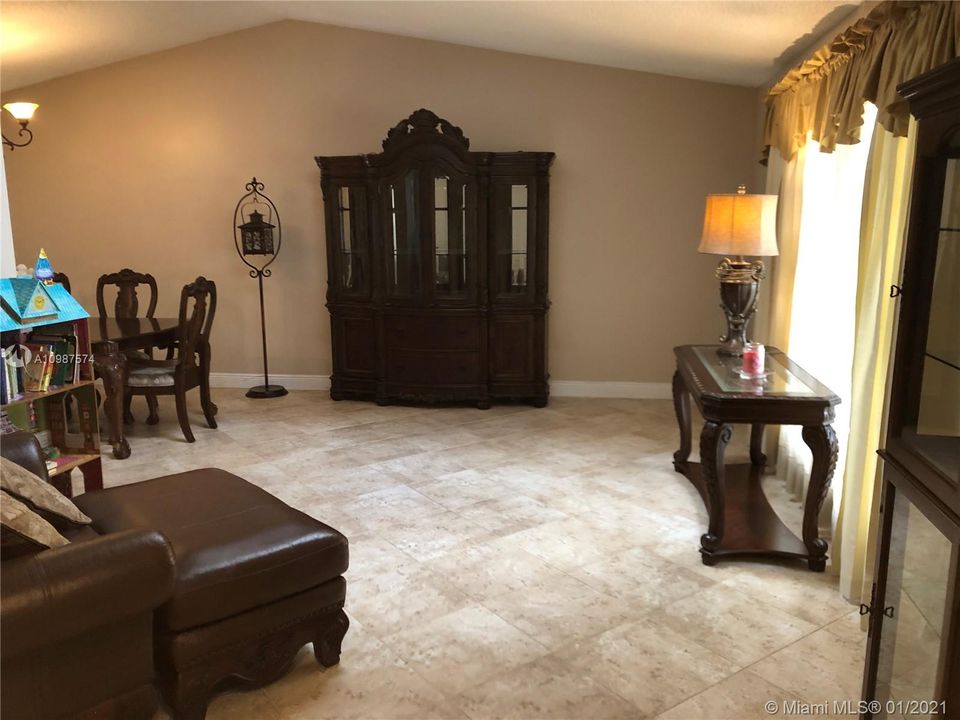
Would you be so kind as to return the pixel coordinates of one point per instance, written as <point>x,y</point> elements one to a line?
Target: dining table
<point>110,340</point>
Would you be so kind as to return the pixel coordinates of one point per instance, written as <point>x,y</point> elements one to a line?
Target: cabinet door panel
<point>512,349</point>
<point>355,341</point>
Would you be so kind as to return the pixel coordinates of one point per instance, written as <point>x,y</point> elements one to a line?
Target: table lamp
<point>735,225</point>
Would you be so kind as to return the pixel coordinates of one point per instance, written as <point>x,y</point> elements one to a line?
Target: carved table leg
<point>681,404</point>
<point>713,443</point>
<point>822,441</point>
<point>756,445</point>
<point>111,366</point>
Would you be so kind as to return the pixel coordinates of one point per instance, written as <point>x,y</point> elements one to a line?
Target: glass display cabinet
<point>437,269</point>
<point>913,654</point>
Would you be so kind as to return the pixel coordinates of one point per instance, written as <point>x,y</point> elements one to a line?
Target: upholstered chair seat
<point>150,377</point>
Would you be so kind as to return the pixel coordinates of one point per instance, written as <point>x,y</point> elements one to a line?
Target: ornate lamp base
<point>266,391</point>
<point>739,283</point>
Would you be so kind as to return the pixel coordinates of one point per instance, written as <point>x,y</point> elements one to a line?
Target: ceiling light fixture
<point>23,113</point>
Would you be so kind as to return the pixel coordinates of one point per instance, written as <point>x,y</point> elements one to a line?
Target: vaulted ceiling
<point>743,42</point>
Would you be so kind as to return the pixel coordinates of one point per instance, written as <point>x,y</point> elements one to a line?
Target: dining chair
<point>127,304</point>
<point>189,367</point>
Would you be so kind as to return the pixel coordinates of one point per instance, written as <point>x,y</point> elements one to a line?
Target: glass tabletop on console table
<point>719,375</point>
<point>777,380</point>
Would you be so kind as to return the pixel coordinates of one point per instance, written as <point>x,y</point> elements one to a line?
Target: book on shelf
<point>42,358</point>
<point>37,367</point>
<point>63,343</point>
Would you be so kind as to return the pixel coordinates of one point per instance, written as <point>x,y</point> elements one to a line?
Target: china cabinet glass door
<point>453,235</point>
<point>931,427</point>
<point>913,613</point>
<point>354,255</point>
<point>514,239</point>
<point>401,199</point>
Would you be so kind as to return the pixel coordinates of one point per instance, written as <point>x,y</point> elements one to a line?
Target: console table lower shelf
<point>753,528</point>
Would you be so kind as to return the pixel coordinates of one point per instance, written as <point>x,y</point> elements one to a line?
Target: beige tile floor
<point>518,563</point>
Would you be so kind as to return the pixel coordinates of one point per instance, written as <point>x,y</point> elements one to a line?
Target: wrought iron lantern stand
<point>256,237</point>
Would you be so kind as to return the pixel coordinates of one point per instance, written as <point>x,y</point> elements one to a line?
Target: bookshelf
<point>47,380</point>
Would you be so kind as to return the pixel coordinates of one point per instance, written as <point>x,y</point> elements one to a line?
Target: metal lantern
<point>256,237</point>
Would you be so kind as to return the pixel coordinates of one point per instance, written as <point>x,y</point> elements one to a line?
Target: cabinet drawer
<point>433,333</point>
<point>431,368</point>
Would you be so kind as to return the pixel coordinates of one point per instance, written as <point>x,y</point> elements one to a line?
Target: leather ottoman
<point>255,580</point>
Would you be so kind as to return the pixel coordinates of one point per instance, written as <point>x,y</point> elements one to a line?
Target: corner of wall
<point>8,263</point>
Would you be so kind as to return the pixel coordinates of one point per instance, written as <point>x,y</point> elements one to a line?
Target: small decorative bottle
<point>753,360</point>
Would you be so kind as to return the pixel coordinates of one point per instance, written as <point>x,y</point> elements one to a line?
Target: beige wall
<point>140,164</point>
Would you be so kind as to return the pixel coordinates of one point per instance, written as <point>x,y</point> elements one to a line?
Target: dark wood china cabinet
<point>437,269</point>
<point>913,653</point>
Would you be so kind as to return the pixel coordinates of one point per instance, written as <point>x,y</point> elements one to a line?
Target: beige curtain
<point>824,96</point>
<point>785,178</point>
<point>886,199</point>
<point>819,320</point>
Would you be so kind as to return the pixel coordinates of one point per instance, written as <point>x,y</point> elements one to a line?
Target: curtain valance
<point>824,95</point>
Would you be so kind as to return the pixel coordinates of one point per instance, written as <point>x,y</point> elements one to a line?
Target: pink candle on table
<point>753,359</point>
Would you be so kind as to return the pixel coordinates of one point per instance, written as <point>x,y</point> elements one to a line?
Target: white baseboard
<point>558,388</point>
<point>601,389</point>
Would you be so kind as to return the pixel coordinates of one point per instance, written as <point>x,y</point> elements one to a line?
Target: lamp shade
<point>740,224</point>
<point>22,111</point>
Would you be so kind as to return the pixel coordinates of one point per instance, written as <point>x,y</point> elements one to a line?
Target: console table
<point>742,522</point>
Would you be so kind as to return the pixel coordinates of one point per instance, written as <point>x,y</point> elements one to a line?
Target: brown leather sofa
<point>254,581</point>
<point>76,623</point>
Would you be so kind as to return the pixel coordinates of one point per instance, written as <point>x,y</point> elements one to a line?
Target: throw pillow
<point>21,520</point>
<point>22,483</point>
